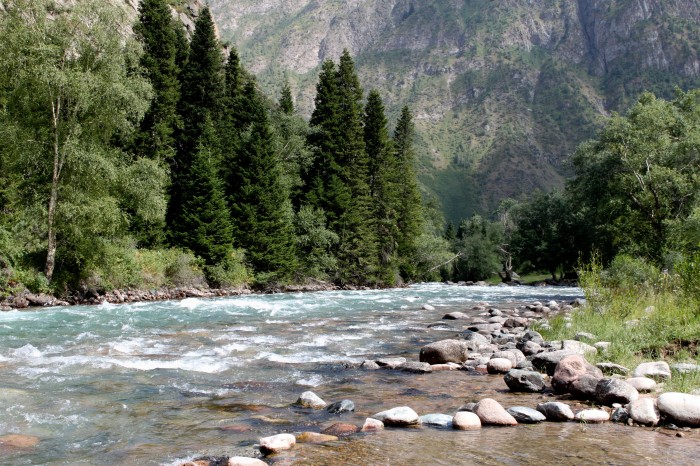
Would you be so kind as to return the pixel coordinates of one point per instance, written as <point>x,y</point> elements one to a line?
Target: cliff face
<point>502,90</point>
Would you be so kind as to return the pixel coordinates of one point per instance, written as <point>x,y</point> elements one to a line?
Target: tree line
<point>151,159</point>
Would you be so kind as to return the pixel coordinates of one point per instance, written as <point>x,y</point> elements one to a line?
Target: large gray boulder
<point>681,408</point>
<point>445,351</point>
<point>525,415</point>
<point>610,391</point>
<point>311,400</point>
<point>524,381</point>
<point>571,368</point>
<point>556,411</point>
<point>547,362</point>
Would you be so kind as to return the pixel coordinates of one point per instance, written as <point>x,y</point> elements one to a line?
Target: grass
<point>641,325</point>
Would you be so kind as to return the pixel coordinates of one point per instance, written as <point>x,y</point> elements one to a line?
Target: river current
<point>156,383</point>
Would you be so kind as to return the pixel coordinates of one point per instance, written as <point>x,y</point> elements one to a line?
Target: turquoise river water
<point>158,383</point>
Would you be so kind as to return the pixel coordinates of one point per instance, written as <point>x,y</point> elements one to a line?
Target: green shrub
<point>230,273</point>
<point>185,270</point>
<point>688,273</point>
<point>627,272</point>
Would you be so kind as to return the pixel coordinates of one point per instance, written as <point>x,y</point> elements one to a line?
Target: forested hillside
<point>502,91</point>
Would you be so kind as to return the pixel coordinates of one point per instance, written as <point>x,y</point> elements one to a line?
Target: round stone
<point>556,411</point>
<point>311,400</point>
<point>609,391</point>
<point>525,415</point>
<point>524,381</point>
<point>466,420</point>
<point>642,384</point>
<point>644,411</point>
<point>656,370</point>
<point>340,407</point>
<point>682,408</point>
<point>490,412</point>
<point>277,443</point>
<point>498,366</point>
<point>398,417</point>
<point>438,420</point>
<point>341,429</point>
<point>592,416</point>
<point>372,425</point>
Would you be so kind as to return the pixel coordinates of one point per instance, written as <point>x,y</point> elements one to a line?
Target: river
<point>155,383</point>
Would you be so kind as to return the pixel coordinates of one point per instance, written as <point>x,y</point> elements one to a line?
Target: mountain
<point>503,91</point>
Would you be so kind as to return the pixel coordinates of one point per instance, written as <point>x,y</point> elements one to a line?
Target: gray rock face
<point>438,420</point>
<point>681,408</point>
<point>524,381</point>
<point>490,412</point>
<point>445,351</point>
<point>571,368</point>
<point>398,417</point>
<point>345,406</point>
<point>525,415</point>
<point>311,400</point>
<point>556,411</point>
<point>644,411</point>
<point>658,370</point>
<point>609,391</point>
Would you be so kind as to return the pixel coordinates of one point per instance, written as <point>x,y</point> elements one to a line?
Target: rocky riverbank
<point>557,382</point>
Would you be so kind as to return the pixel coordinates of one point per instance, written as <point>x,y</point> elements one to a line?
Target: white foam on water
<point>190,303</point>
<point>313,381</point>
<point>207,365</point>
<point>243,328</point>
<point>27,351</point>
<point>127,346</point>
<point>46,418</point>
<point>300,358</point>
<point>325,340</point>
<point>106,305</point>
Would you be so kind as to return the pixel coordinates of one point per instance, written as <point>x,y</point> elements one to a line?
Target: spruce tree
<point>202,89</point>
<point>409,207</point>
<point>384,184</point>
<point>286,103</point>
<point>203,223</point>
<point>260,206</point>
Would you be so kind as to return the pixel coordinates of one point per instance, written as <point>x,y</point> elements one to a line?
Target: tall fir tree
<point>203,222</point>
<point>202,89</point>
<point>410,205</point>
<point>260,205</point>
<point>286,103</point>
<point>384,185</point>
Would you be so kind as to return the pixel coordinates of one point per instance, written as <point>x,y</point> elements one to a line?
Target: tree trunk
<point>53,197</point>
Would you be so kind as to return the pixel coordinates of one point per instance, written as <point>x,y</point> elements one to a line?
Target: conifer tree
<point>202,89</point>
<point>203,223</point>
<point>260,206</point>
<point>286,103</point>
<point>384,184</point>
<point>409,207</point>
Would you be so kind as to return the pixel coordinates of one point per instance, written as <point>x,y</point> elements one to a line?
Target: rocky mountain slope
<point>502,90</point>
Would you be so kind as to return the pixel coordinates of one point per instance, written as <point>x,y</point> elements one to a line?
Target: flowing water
<point>154,383</point>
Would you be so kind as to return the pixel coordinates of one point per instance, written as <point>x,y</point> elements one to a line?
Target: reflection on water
<point>151,383</point>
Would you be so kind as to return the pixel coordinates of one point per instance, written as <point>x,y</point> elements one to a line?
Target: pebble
<point>372,425</point>
<point>277,443</point>
<point>556,411</point>
<point>656,370</point>
<point>525,415</point>
<point>490,412</point>
<point>592,416</point>
<point>681,408</point>
<point>644,411</point>
<point>311,400</point>
<point>398,417</point>
<point>466,420</point>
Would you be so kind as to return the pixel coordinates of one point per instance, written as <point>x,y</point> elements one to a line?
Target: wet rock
<point>416,367</point>
<point>642,384</point>
<point>341,429</point>
<point>245,461</point>
<point>444,351</point>
<point>584,387</point>
<point>609,391</point>
<point>569,369</point>
<point>490,412</point>
<point>428,307</point>
<point>485,329</point>
<point>644,411</point>
<point>19,441</point>
<point>466,420</point>
<point>556,411</point>
<point>655,370</point>
<point>311,400</point>
<point>469,407</point>
<point>524,381</point>
<point>455,316</point>
<point>498,366</point>
<point>620,414</point>
<point>398,417</point>
<point>277,443</point>
<point>592,416</point>
<point>209,461</point>
<point>532,336</point>
<point>372,425</point>
<point>530,348</point>
<point>439,420</point>
<point>441,326</point>
<point>369,365</point>
<point>681,408</point>
<point>315,437</point>
<point>41,299</point>
<point>578,347</point>
<point>548,361</point>
<point>610,368</point>
<point>345,406</point>
<point>390,363</point>
<point>525,415</point>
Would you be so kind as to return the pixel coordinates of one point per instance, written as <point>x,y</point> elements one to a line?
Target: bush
<point>230,273</point>
<point>626,272</point>
<point>688,273</point>
<point>184,271</point>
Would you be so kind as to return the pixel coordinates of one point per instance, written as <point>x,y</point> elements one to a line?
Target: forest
<point>152,160</point>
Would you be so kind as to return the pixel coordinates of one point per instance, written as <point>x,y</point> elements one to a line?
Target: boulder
<point>498,366</point>
<point>569,369</point>
<point>416,367</point>
<point>311,400</point>
<point>398,417</point>
<point>315,437</point>
<point>656,370</point>
<point>490,412</point>
<point>532,336</point>
<point>556,411</point>
<point>681,408</point>
<point>444,351</point>
<point>372,425</point>
<point>525,415</point>
<point>642,384</point>
<point>340,429</point>
<point>466,420</point>
<point>524,381</point>
<point>609,391</point>
<point>584,387</point>
<point>530,347</point>
<point>644,411</point>
<point>438,420</point>
<point>548,361</point>
<point>41,299</point>
<point>277,443</point>
<point>592,416</point>
<point>345,406</point>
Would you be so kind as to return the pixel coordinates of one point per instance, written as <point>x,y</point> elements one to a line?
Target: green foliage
<point>688,271</point>
<point>478,243</point>
<point>626,272</point>
<point>315,244</point>
<point>230,272</point>
<point>286,103</point>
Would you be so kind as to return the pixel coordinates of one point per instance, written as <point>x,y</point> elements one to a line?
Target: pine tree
<point>409,209</point>
<point>286,103</point>
<point>203,223</point>
<point>384,184</point>
<point>260,206</point>
<point>202,89</point>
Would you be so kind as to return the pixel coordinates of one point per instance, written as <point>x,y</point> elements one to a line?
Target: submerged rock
<point>340,429</point>
<point>315,437</point>
<point>340,407</point>
<point>398,417</point>
<point>311,400</point>
<point>439,420</point>
<point>245,461</point>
